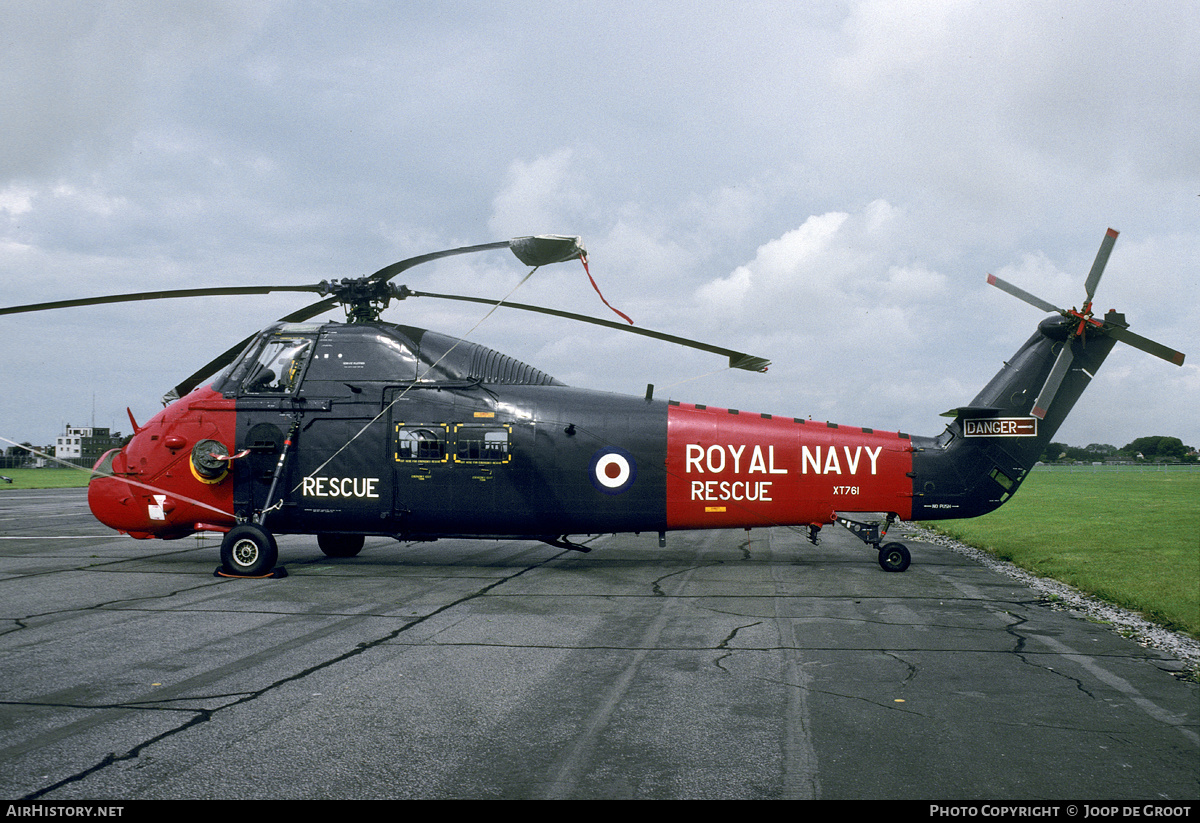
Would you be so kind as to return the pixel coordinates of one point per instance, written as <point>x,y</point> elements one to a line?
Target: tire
<point>340,545</point>
<point>894,557</point>
<point>249,551</point>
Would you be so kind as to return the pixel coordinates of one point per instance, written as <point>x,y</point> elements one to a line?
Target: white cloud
<point>15,200</point>
<point>727,294</point>
<point>538,197</point>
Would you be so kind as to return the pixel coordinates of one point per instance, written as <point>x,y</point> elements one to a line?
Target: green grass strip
<point>1131,538</point>
<point>55,478</point>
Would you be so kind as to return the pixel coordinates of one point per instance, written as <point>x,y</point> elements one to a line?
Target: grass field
<point>61,478</point>
<point>1128,537</point>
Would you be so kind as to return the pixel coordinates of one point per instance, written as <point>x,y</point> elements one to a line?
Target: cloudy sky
<point>823,184</point>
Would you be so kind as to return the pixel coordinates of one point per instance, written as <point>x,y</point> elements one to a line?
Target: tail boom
<point>982,457</point>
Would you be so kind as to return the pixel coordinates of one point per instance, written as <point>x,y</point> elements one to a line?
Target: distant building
<point>83,445</point>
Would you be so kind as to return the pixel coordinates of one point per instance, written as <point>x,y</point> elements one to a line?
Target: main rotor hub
<point>363,298</point>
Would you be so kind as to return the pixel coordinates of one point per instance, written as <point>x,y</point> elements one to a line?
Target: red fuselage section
<point>153,489</point>
<point>729,469</point>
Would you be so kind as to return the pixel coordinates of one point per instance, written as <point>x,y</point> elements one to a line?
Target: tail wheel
<point>894,557</point>
<point>249,550</point>
<point>340,545</point>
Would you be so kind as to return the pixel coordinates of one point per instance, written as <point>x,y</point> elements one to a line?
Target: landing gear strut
<point>249,550</point>
<point>893,557</point>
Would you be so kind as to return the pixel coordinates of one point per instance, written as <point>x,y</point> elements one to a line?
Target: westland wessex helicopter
<point>366,428</point>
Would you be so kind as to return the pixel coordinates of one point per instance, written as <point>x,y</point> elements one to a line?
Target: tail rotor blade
<point>1147,345</point>
<point>1106,247</point>
<point>1053,381</point>
<point>1021,294</point>
<point>1082,324</point>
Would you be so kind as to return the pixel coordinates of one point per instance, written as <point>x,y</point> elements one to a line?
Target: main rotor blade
<point>535,251</point>
<point>388,272</point>
<point>212,366</point>
<point>1046,396</point>
<point>1146,345</point>
<point>153,295</point>
<point>1021,294</point>
<point>310,311</point>
<point>540,250</point>
<point>1106,247</point>
<point>737,360</point>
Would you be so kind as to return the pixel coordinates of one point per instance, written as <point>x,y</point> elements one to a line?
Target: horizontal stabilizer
<point>973,411</point>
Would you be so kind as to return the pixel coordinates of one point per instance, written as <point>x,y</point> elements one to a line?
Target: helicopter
<point>345,430</point>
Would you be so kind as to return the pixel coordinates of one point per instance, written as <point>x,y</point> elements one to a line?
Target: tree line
<point>1155,449</point>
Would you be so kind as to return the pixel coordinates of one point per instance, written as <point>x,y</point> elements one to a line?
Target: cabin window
<point>437,443</point>
<point>421,444</point>
<point>483,444</point>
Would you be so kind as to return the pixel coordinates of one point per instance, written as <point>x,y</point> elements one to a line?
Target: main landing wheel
<point>249,550</point>
<point>894,557</point>
<point>340,545</point>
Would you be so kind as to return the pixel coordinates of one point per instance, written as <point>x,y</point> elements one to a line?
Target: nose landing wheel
<point>249,550</point>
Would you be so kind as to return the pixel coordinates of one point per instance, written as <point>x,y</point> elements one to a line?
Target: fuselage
<point>372,428</point>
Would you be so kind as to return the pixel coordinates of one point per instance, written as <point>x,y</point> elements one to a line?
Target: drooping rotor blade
<point>388,272</point>
<point>533,251</point>
<point>212,367</point>
<point>541,250</point>
<point>1106,247</point>
<point>737,360</point>
<point>1021,294</point>
<point>310,311</point>
<point>1146,345</point>
<point>1050,388</point>
<point>153,295</point>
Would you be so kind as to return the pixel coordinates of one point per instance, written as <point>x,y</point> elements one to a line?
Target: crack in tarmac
<point>205,715</point>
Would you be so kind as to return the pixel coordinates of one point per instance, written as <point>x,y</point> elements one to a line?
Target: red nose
<point>114,502</point>
<point>168,504</point>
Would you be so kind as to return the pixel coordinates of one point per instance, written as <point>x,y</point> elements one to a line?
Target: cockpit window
<point>278,367</point>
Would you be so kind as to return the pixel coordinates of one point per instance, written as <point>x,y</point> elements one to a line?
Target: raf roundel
<point>613,470</point>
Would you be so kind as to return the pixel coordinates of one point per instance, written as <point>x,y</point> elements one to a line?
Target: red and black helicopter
<point>345,430</point>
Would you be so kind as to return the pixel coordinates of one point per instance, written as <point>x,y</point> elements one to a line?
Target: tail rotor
<point>1082,323</point>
